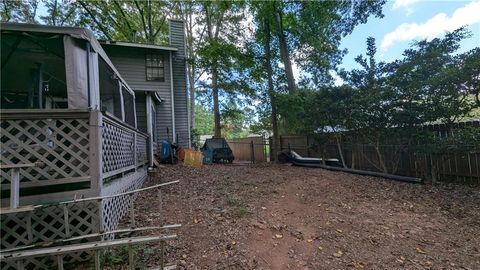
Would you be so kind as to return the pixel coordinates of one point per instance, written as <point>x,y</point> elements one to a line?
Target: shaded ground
<point>283,217</point>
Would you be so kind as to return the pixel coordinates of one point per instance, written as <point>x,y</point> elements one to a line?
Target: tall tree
<point>309,33</point>
<point>189,10</point>
<point>130,20</point>
<point>284,50</point>
<point>219,50</point>
<point>59,13</point>
<point>19,11</point>
<point>271,90</point>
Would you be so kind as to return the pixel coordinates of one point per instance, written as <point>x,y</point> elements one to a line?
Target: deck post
<point>135,150</point>
<point>15,188</point>
<point>95,157</point>
<point>96,164</point>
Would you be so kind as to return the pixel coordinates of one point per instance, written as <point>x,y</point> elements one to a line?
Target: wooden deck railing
<point>124,148</point>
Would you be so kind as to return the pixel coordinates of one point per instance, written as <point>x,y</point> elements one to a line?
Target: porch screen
<point>129,107</point>
<point>76,73</point>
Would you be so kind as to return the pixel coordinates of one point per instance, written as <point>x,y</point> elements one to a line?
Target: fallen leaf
<point>421,251</point>
<point>278,236</point>
<point>338,254</point>
<point>359,265</point>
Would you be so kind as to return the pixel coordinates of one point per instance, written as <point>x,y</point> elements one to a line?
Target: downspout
<point>172,98</point>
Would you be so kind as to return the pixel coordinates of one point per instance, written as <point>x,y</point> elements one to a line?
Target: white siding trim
<point>174,131</point>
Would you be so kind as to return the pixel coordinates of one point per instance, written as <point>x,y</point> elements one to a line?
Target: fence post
<point>271,148</point>
<point>308,147</point>
<point>280,144</point>
<point>252,152</point>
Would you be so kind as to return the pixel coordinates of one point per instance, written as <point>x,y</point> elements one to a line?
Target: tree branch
<point>123,14</point>
<point>141,16</point>
<point>99,25</point>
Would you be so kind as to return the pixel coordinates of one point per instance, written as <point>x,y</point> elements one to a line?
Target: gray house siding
<point>177,39</point>
<point>130,62</point>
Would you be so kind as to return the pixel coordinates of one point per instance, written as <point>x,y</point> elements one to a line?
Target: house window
<point>155,67</point>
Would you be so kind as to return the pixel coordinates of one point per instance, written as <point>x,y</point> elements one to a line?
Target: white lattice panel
<point>43,225</point>
<point>141,145</point>
<point>62,144</point>
<point>118,147</point>
<point>48,224</point>
<point>115,208</point>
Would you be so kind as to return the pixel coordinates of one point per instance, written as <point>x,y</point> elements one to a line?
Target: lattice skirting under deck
<point>49,223</point>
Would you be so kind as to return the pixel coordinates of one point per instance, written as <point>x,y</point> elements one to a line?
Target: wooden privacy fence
<point>462,167</point>
<point>252,149</point>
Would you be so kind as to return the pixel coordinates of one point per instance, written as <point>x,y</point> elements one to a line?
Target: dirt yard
<point>284,217</point>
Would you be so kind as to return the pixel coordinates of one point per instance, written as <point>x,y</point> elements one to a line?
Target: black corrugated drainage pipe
<point>407,179</point>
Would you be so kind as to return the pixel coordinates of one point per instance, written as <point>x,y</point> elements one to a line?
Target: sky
<point>409,20</point>
<point>405,21</point>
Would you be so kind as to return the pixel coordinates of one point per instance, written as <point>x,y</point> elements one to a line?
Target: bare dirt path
<point>283,217</point>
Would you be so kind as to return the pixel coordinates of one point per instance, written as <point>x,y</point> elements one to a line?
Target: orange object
<point>181,153</point>
<point>193,158</point>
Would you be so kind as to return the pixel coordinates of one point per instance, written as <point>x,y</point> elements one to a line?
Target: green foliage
<point>203,120</point>
<point>389,102</point>
<point>126,20</point>
<point>118,256</point>
<point>315,30</point>
<point>459,141</point>
<point>240,211</point>
<point>295,111</point>
<point>234,121</point>
<point>19,11</point>
<point>424,87</point>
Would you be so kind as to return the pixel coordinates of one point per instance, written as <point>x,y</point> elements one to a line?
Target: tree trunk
<point>271,93</point>
<point>190,66</point>
<point>216,108</point>
<point>285,55</point>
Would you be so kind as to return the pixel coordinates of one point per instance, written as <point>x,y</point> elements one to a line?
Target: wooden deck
<point>85,154</point>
